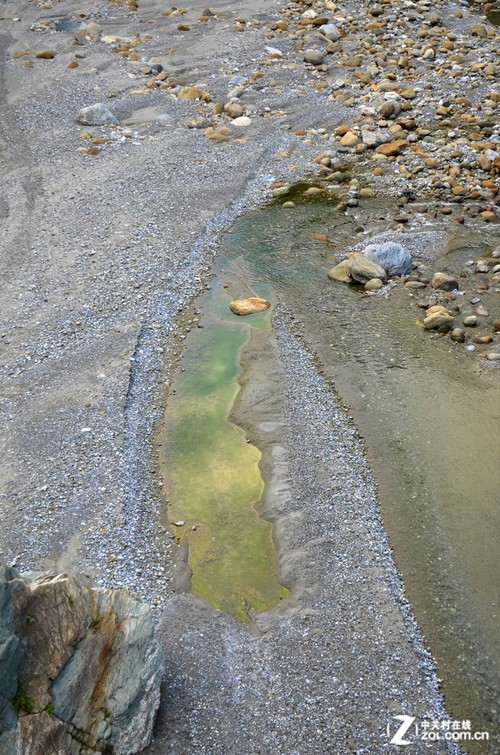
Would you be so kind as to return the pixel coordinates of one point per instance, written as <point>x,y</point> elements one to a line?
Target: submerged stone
<point>248,306</point>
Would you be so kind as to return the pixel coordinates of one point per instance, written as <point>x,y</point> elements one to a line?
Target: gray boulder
<point>391,256</point>
<point>97,115</point>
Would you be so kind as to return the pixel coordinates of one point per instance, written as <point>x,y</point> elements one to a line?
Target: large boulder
<point>80,667</point>
<point>391,256</point>
<point>362,269</point>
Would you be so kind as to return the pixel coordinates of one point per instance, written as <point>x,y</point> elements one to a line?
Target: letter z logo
<point>405,725</point>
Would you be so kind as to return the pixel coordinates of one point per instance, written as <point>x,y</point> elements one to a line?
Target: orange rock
<point>189,93</point>
<point>248,306</point>
<point>391,148</point>
<point>319,237</point>
<point>341,130</point>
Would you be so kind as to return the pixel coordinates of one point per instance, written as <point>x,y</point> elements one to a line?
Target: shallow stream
<point>428,412</point>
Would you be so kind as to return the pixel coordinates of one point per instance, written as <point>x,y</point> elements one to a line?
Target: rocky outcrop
<point>80,668</point>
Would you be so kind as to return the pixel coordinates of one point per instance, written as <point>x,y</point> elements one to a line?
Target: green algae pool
<point>212,470</point>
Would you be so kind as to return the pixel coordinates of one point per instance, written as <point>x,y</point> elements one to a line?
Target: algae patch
<point>212,471</point>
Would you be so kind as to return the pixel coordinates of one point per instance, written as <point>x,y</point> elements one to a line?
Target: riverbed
<point>426,407</point>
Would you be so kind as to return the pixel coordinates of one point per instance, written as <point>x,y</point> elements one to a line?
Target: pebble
<point>444,281</point>
<point>390,149</point>
<point>189,93</point>
<point>314,57</point>
<point>457,334</point>
<point>483,339</point>
<point>470,321</point>
<point>349,139</point>
<point>234,109</point>
<point>330,31</point>
<point>374,284</point>
<point>242,120</point>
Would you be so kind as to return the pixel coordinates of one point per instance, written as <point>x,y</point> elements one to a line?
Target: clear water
<point>212,471</point>
<point>429,417</point>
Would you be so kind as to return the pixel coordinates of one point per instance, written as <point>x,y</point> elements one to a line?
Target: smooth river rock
<point>248,306</point>
<point>97,115</point>
<point>362,269</point>
<point>444,281</point>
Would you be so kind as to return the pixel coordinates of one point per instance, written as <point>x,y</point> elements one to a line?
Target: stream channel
<point>426,408</point>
